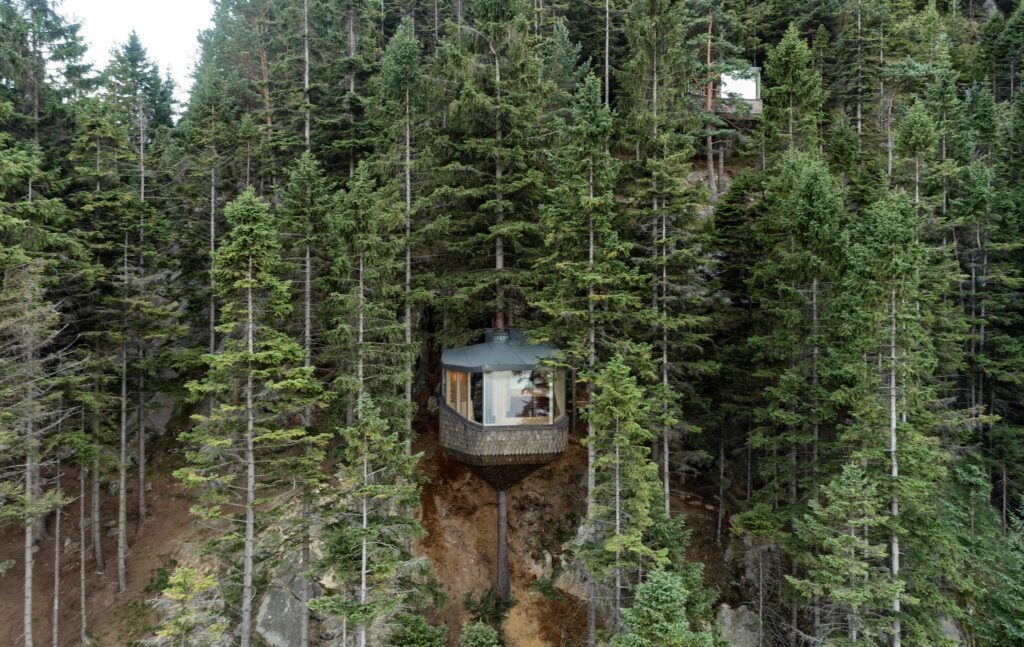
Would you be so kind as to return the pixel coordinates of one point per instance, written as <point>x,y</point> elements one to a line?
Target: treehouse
<point>739,94</point>
<point>502,412</point>
<point>501,407</point>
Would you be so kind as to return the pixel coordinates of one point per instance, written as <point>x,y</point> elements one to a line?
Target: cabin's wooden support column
<point>502,584</point>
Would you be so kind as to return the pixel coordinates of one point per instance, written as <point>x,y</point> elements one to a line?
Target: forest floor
<point>458,513</point>
<point>114,619</point>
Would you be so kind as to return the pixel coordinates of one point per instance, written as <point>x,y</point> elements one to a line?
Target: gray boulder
<point>738,626</point>
<point>278,618</point>
<point>951,630</point>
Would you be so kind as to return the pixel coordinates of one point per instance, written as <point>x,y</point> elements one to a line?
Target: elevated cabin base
<point>503,455</point>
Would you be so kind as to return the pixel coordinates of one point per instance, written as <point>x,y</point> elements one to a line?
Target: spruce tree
<point>489,175</point>
<point>366,525</point>
<point>793,93</point>
<point>257,382</point>
<point>660,616</point>
<point>626,486</point>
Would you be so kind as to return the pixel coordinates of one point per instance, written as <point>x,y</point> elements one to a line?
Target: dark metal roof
<point>500,352</point>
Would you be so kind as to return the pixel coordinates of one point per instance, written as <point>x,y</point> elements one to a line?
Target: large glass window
<point>523,397</point>
<point>457,393</point>
<point>507,397</point>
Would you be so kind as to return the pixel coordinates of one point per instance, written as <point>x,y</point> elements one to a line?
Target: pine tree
<point>659,616</point>
<point>366,530</point>
<point>847,572</point>
<point>256,381</point>
<point>793,96</point>
<point>626,486</point>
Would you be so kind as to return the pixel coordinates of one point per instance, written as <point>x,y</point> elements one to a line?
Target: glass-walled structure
<point>527,397</point>
<point>500,404</point>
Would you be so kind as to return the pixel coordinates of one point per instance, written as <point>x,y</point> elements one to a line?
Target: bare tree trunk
<point>709,142</point>
<point>860,107</point>
<point>305,72</point>
<point>607,51</point>
<point>55,618</point>
<point>364,564</point>
<point>502,584</point>
<point>31,474</point>
<point>250,473</point>
<point>141,447</point>
<point>212,325</point>
<point>591,450</point>
<point>122,463</point>
<point>141,431</point>
<point>894,471</point>
<point>408,270</point>
<point>617,616</point>
<point>83,610</point>
<point>307,337</point>
<point>97,534</point>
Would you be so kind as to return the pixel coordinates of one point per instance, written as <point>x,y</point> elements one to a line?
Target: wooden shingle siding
<point>475,444</point>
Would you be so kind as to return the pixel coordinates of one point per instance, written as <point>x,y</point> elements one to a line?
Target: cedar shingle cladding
<point>475,444</point>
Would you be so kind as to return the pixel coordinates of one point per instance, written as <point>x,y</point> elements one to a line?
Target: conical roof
<point>500,351</point>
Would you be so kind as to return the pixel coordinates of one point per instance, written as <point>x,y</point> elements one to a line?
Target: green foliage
<point>161,578</point>
<point>478,634</point>
<point>794,95</point>
<point>544,587</point>
<point>414,631</point>
<point>194,610</point>
<point>367,531</point>
<point>490,608</point>
<point>656,618</point>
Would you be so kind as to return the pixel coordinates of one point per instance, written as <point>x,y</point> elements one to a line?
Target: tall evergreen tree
<point>257,382</point>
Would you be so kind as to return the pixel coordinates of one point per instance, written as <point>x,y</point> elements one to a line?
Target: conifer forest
<point>628,323</point>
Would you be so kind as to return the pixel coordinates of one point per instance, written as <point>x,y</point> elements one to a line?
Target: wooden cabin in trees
<point>503,413</point>
<point>500,406</point>
<point>738,94</point>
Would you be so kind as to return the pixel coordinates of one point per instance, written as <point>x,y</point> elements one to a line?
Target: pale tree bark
<point>709,143</point>
<point>141,430</point>
<point>212,323</point>
<point>363,503</point>
<point>307,338</point>
<point>97,534</point>
<point>83,609</point>
<point>122,463</point>
<point>860,81</point>
<point>407,177</point>
<point>250,469</point>
<point>607,51</point>
<point>55,610</point>
<point>815,432</point>
<point>31,474</point>
<point>617,613</point>
<point>353,45</point>
<point>894,473</point>
<point>364,565</point>
<point>591,449</point>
